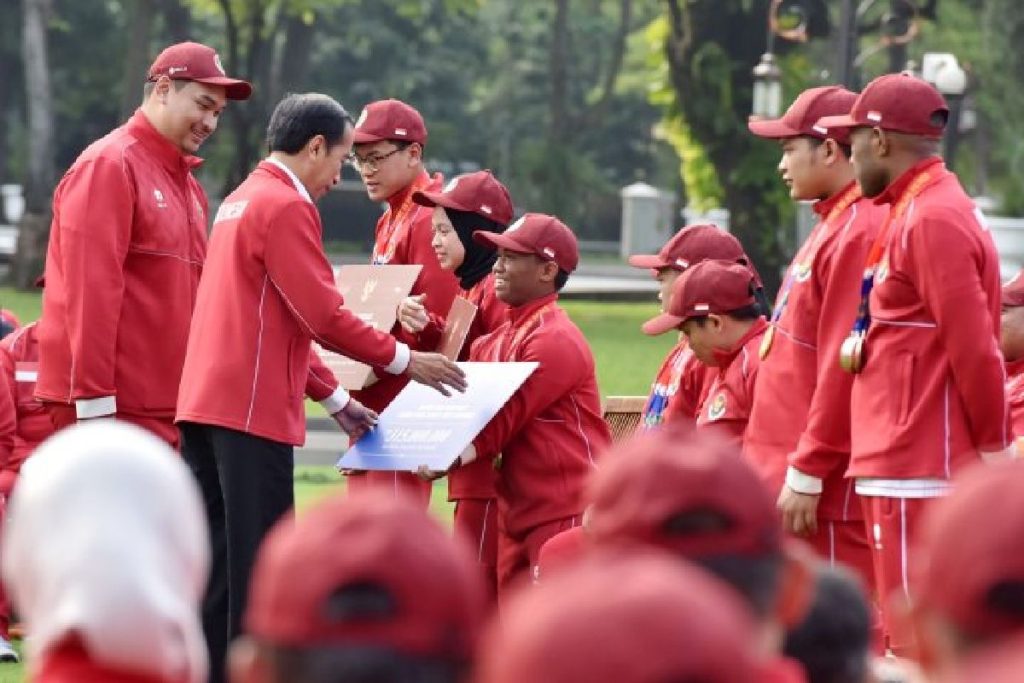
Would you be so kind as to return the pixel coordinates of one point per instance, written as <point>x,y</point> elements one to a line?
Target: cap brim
<point>234,89</point>
<point>773,129</point>
<point>496,240</point>
<point>660,324</point>
<point>843,122</point>
<point>647,261</point>
<point>432,199</point>
<point>362,137</point>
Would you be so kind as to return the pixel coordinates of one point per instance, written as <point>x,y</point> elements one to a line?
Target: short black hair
<point>758,580</point>
<point>147,89</point>
<point>359,664</point>
<point>846,149</point>
<point>298,118</point>
<point>833,641</point>
<point>751,312</point>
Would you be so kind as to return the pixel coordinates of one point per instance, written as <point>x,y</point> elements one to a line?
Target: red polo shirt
<point>931,395</point>
<point>550,432</point>
<point>727,406</point>
<point>802,404</point>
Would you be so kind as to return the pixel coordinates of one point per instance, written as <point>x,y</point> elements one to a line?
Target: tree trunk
<point>291,64</point>
<point>136,57</point>
<point>177,20</point>
<point>34,228</point>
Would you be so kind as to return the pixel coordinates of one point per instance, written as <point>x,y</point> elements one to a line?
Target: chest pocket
<point>165,216</point>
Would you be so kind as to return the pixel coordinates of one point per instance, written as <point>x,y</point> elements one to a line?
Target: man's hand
<point>427,474</point>
<point>355,418</point>
<point>412,315</point>
<point>437,372</point>
<point>799,512</point>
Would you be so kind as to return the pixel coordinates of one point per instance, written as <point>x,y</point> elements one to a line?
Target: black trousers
<point>247,485</point>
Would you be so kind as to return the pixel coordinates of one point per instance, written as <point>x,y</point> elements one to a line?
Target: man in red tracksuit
<point>802,394</point>
<point>19,361</point>
<point>1011,343</point>
<point>266,293</point>
<point>545,440</point>
<point>682,381</point>
<point>714,306</point>
<point>469,203</point>
<point>928,396</point>
<point>388,153</point>
<point>126,250</point>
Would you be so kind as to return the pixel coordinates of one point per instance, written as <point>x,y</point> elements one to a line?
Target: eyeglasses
<point>371,163</point>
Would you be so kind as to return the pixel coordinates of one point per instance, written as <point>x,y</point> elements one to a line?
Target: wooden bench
<point>622,414</point>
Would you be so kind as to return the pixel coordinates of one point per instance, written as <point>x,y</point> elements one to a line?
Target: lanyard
<point>657,403</point>
<point>385,245</point>
<point>801,266</point>
<point>501,352</point>
<point>878,248</point>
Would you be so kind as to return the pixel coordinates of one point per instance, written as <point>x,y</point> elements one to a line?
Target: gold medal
<point>851,353</point>
<point>766,342</point>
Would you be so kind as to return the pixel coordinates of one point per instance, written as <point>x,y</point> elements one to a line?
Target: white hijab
<point>105,537</point>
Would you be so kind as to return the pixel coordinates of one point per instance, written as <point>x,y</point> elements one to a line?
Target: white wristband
<point>336,401</point>
<point>89,408</point>
<point>803,483</point>
<point>401,360</point>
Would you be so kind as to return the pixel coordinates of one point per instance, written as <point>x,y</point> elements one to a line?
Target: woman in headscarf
<point>469,203</point>
<point>105,554</point>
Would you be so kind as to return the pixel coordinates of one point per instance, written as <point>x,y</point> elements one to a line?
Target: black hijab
<point>479,259</point>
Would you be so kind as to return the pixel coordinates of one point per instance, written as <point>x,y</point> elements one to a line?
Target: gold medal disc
<point>851,353</point>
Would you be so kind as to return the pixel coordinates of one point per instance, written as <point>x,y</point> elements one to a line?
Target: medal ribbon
<point>851,195</point>
<point>878,248</point>
<point>384,246</point>
<point>522,331</point>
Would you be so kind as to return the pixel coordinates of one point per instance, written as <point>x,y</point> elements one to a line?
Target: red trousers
<point>517,555</point>
<point>408,482</point>
<point>476,521</point>
<point>891,525</point>
<point>63,415</point>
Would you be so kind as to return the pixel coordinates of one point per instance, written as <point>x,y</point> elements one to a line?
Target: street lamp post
<point>942,70</point>
<point>767,88</point>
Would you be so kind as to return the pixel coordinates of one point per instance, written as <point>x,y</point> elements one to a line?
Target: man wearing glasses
<point>388,153</point>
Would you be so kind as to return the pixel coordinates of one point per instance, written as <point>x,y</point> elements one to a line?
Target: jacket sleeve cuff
<point>336,401</point>
<point>400,362</point>
<point>1008,453</point>
<point>88,408</point>
<point>803,483</point>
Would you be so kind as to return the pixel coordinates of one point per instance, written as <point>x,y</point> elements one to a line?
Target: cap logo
<point>549,252</point>
<point>362,118</point>
<point>874,116</point>
<point>682,263</point>
<point>701,308</point>
<point>216,63</point>
<point>515,226</point>
<point>401,131</point>
<point>486,209</point>
<point>171,70</point>
<point>821,130</point>
<point>452,184</point>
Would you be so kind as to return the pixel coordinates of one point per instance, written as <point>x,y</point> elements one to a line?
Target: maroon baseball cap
<point>200,63</point>
<point>709,287</point>
<point>540,234</point>
<point>1013,291</point>
<point>390,120</point>
<point>802,116</point>
<point>693,244</point>
<point>633,618</point>
<point>648,486</point>
<point>367,569</point>
<point>898,102</point>
<point>478,192</point>
<point>970,565</point>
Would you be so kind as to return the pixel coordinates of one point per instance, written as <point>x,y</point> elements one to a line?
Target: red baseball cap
<point>633,618</point>
<point>897,102</point>
<point>970,563</point>
<point>390,120</point>
<point>314,577</point>
<point>1013,291</point>
<point>693,244</point>
<point>802,116</point>
<point>709,287</point>
<point>478,192</point>
<point>645,485</point>
<point>197,62</point>
<point>536,233</point>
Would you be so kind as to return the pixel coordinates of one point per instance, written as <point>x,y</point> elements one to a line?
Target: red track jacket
<point>19,360</point>
<point>802,403</point>
<point>682,384</point>
<point>268,290</point>
<point>126,251</point>
<point>932,393</point>
<point>1015,395</point>
<point>551,430</point>
<point>726,408</point>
